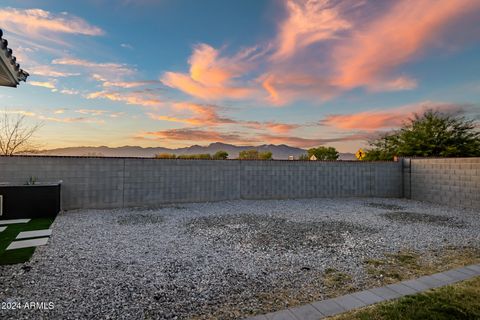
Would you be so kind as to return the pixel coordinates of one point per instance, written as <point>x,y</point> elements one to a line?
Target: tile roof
<point>10,72</point>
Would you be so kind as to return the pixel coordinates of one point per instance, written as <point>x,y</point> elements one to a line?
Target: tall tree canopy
<point>323,153</point>
<point>431,134</point>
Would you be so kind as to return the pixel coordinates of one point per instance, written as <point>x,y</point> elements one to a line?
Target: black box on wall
<point>30,201</point>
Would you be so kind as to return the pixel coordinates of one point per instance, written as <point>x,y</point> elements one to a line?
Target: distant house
<point>10,72</point>
<point>313,157</point>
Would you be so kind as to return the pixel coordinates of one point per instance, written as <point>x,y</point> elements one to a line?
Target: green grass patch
<point>460,301</point>
<point>8,235</point>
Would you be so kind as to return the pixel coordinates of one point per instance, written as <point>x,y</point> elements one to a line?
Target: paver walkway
<point>34,234</point>
<point>13,221</point>
<point>27,243</point>
<point>322,309</point>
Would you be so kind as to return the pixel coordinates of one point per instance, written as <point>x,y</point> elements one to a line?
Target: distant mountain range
<point>278,151</point>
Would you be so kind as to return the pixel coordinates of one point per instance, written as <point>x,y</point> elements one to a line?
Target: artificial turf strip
<point>8,235</point>
<point>460,301</point>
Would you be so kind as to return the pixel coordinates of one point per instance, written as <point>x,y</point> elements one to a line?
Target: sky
<point>174,73</point>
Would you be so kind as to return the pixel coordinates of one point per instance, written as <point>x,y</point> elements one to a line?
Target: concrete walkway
<point>326,308</point>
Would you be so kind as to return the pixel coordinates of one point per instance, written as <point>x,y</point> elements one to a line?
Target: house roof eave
<point>10,72</point>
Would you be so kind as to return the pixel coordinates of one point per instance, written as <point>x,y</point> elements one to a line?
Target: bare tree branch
<point>16,135</point>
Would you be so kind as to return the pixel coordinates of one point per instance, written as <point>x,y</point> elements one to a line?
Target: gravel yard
<point>224,260</point>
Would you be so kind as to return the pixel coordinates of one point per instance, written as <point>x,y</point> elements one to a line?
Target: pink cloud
<point>401,34</point>
<point>211,76</point>
<point>301,142</point>
<point>199,114</point>
<point>38,21</point>
<point>272,126</point>
<point>45,84</point>
<point>105,69</point>
<point>207,115</point>
<point>307,22</point>
<point>325,48</point>
<point>194,135</point>
<point>141,97</point>
<point>386,119</point>
<point>49,71</point>
<point>284,86</point>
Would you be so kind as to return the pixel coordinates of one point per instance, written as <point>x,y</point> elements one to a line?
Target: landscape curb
<point>330,307</point>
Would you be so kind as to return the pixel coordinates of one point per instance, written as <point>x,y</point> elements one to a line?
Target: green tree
<point>431,134</point>
<point>304,157</point>
<point>266,155</point>
<point>203,156</point>
<point>220,155</point>
<point>253,154</point>
<point>165,156</point>
<point>323,153</point>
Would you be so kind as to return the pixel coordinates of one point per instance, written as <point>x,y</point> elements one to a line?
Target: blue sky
<point>175,73</point>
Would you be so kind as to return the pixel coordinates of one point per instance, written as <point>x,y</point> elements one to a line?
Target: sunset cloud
<point>60,111</point>
<point>99,112</point>
<point>49,71</point>
<point>301,142</point>
<point>325,48</point>
<point>199,114</point>
<point>272,126</point>
<point>208,115</point>
<point>305,73</point>
<point>69,91</point>
<point>93,112</point>
<point>401,34</point>
<point>197,134</point>
<point>38,21</point>
<point>25,113</point>
<point>284,87</point>
<point>45,84</point>
<point>71,120</point>
<point>387,119</point>
<point>194,134</point>
<point>140,97</point>
<point>108,68</point>
<point>307,22</point>
<point>126,84</point>
<point>211,76</point>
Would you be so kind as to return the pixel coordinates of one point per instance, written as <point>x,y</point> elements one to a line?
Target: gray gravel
<point>219,260</point>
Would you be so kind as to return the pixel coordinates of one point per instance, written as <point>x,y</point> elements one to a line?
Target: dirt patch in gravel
<point>409,264</point>
<point>415,217</point>
<point>275,233</point>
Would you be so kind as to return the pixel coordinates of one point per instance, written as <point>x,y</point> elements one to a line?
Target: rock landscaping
<point>230,260</point>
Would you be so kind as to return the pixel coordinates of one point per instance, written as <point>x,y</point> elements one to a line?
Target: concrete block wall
<point>309,179</point>
<point>154,181</point>
<point>128,182</point>
<point>87,182</point>
<point>449,181</point>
